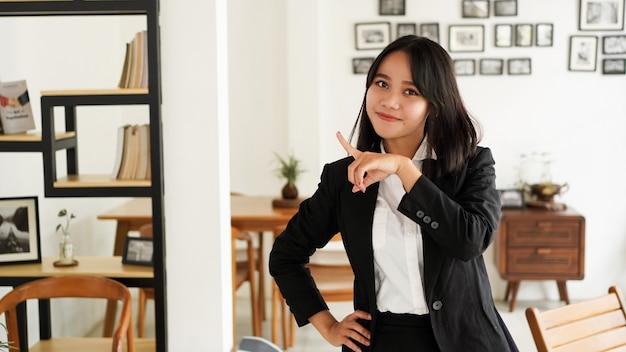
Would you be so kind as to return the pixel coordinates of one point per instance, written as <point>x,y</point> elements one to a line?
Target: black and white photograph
<point>520,66</point>
<point>544,34</point>
<point>19,231</point>
<point>391,7</point>
<point>505,8</point>
<point>583,53</point>
<point>475,9</point>
<point>464,67</point>
<point>372,35</point>
<point>601,15</point>
<point>503,35</point>
<point>614,44</point>
<point>466,38</point>
<point>491,67</point>
<point>512,198</point>
<point>361,65</point>
<point>523,34</point>
<point>430,31</point>
<point>614,66</point>
<point>403,29</point>
<point>138,251</point>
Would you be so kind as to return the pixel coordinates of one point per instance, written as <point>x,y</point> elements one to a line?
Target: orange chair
<point>145,293</point>
<point>245,271</point>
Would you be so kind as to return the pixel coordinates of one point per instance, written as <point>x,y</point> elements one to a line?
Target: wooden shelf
<point>94,92</point>
<point>33,136</point>
<point>88,181</point>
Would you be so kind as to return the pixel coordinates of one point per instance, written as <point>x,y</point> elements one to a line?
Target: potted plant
<point>66,246</point>
<point>288,169</point>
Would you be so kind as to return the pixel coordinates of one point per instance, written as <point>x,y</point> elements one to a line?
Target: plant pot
<point>290,191</point>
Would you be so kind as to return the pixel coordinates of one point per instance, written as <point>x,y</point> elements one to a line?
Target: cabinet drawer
<point>544,233</point>
<point>544,261</point>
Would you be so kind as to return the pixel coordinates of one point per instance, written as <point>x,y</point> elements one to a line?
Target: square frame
<point>524,34</point>
<point>403,29</point>
<point>512,198</point>
<point>614,44</point>
<point>583,53</point>
<point>503,35</point>
<point>138,251</point>
<point>361,65</point>
<point>544,34</point>
<point>614,66</point>
<point>20,239</point>
<point>475,9</point>
<point>430,31</point>
<point>519,66</point>
<point>464,67</point>
<point>505,8</point>
<point>391,7</point>
<point>372,35</point>
<point>491,67</point>
<point>601,15</point>
<point>466,38</point>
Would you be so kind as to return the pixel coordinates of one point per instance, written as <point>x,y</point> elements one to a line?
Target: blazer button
<point>434,225</point>
<point>420,214</point>
<point>427,219</point>
<point>437,305</point>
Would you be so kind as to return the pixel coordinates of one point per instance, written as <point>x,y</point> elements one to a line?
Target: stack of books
<point>132,160</point>
<point>135,70</point>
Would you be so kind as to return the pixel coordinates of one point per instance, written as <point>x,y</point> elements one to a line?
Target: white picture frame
<point>583,53</point>
<point>372,35</point>
<point>466,38</point>
<point>601,15</point>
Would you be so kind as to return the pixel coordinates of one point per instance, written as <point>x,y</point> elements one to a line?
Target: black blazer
<point>458,215</point>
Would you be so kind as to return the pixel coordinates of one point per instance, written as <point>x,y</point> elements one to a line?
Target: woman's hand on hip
<point>343,332</point>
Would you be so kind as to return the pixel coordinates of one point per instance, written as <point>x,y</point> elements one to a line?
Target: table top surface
<point>98,266</point>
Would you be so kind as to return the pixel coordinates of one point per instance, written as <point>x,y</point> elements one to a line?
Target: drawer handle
<point>544,251</point>
<point>544,224</point>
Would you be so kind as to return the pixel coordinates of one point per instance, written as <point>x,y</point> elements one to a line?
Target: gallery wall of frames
<point>598,46</point>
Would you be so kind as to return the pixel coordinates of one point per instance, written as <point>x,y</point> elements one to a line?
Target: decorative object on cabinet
<point>491,67</point>
<point>512,198</point>
<point>372,35</point>
<point>361,65</point>
<point>544,33</point>
<point>505,8</point>
<point>16,113</point>
<point>475,9</point>
<point>524,34</point>
<point>614,44</point>
<point>66,245</point>
<point>520,66</point>
<point>138,251</point>
<point>403,29</point>
<point>614,66</point>
<point>583,53</point>
<point>466,38</point>
<point>464,67</point>
<point>606,15</point>
<point>288,169</point>
<point>539,244</point>
<point>430,31</point>
<point>546,191</point>
<point>391,7</point>
<point>503,35</point>
<point>20,240</point>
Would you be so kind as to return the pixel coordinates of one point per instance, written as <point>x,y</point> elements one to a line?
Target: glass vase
<point>66,250</point>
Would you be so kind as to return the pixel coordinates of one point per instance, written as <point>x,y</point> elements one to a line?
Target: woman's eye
<point>381,84</point>
<point>411,92</point>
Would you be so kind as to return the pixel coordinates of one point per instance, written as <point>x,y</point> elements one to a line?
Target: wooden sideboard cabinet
<point>540,244</point>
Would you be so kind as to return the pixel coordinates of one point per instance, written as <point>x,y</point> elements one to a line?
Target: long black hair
<point>449,127</point>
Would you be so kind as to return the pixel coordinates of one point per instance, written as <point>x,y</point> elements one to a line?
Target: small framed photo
<point>601,15</point>
<point>583,53</point>
<point>503,35</point>
<point>361,65</point>
<point>466,38</point>
<point>403,29</point>
<point>491,67</point>
<point>614,44</point>
<point>543,34</point>
<point>430,31</point>
<point>505,8</point>
<point>512,198</point>
<point>138,251</point>
<point>614,66</point>
<point>523,34</point>
<point>373,35</point>
<point>20,239</point>
<point>519,66</point>
<point>475,9</point>
<point>464,67</point>
<point>391,7</point>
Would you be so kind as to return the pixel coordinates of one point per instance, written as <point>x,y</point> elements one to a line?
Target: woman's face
<point>395,107</point>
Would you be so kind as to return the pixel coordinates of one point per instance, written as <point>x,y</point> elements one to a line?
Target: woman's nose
<point>391,100</point>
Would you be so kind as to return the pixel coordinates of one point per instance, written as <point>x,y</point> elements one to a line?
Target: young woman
<point>416,206</point>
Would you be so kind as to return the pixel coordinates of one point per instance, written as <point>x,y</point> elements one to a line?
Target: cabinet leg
<point>507,293</point>
<point>563,291</point>
<point>513,287</point>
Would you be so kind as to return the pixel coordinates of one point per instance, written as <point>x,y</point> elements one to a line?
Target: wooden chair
<point>333,276</point>
<point>245,271</point>
<point>78,287</point>
<point>145,293</point>
<point>597,324</point>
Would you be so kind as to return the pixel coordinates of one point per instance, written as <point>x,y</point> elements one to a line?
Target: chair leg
<point>275,299</point>
<point>141,313</point>
<point>256,318</point>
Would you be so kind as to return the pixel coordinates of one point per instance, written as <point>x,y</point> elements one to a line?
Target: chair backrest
<point>597,324</point>
<point>71,286</point>
<point>145,231</point>
<point>257,344</point>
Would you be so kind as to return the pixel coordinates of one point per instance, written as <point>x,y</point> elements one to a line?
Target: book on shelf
<point>132,159</point>
<point>135,66</point>
<point>16,113</point>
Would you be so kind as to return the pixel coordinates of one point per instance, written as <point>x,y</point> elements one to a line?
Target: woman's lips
<point>386,117</point>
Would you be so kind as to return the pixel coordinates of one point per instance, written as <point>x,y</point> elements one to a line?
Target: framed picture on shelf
<point>519,66</point>
<point>512,198</point>
<point>466,38</point>
<point>523,34</point>
<point>464,67</point>
<point>138,251</point>
<point>20,239</point>
<point>403,29</point>
<point>583,53</point>
<point>361,65</point>
<point>491,67</point>
<point>430,31</point>
<point>391,7</point>
<point>503,35</point>
<point>372,35</point>
<point>614,66</point>
<point>614,44</point>
<point>475,9</point>
<point>505,8</point>
<point>604,15</point>
<point>544,34</point>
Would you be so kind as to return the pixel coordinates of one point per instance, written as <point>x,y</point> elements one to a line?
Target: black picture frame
<point>519,66</point>
<point>615,66</point>
<point>614,44</point>
<point>138,251</point>
<point>583,53</point>
<point>544,34</point>
<point>605,15</point>
<point>504,8</point>
<point>403,29</point>
<point>464,67</point>
<point>512,198</point>
<point>430,31</point>
<point>491,67</point>
<point>391,7</point>
<point>503,35</point>
<point>475,9</point>
<point>524,34</point>
<point>466,38</point>
<point>361,65</point>
<point>372,35</point>
<point>20,238</point>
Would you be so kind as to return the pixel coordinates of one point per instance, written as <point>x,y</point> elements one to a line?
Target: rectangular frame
<point>583,53</point>
<point>544,34</point>
<point>614,66</point>
<point>391,7</point>
<point>524,34</point>
<point>361,65</point>
<point>614,44</point>
<point>403,29</point>
<point>519,66</point>
<point>372,35</point>
<point>505,8</point>
<point>503,35</point>
<point>466,38</point>
<point>20,239</point>
<point>464,67</point>
<point>491,67</point>
<point>475,9</point>
<point>430,31</point>
<point>138,251</point>
<point>601,15</point>
<point>512,198</point>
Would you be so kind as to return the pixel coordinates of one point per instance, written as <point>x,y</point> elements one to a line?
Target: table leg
<point>45,328</point>
<point>261,267</point>
<point>22,323</point>
<point>121,231</point>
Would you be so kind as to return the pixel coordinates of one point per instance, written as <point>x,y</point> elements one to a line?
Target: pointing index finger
<point>346,146</point>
